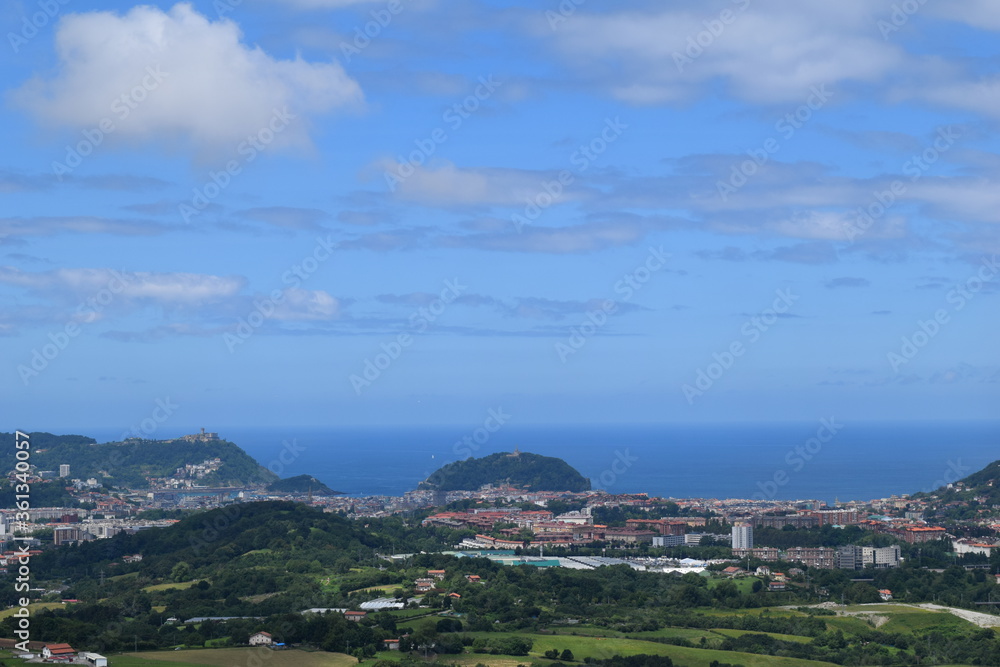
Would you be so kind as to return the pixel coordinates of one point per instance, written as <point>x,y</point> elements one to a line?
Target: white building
<point>95,659</point>
<point>261,639</point>
<point>743,536</point>
<point>64,470</point>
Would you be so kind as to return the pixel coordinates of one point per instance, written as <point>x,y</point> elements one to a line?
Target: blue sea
<point>845,460</point>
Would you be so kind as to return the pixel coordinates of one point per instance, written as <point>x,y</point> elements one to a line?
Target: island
<point>532,472</point>
<point>303,484</point>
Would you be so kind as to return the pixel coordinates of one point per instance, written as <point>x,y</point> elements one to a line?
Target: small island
<point>303,484</point>
<point>532,472</point>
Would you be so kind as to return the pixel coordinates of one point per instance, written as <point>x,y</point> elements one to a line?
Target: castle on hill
<point>200,437</point>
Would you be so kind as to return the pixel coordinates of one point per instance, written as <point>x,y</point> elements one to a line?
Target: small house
<point>885,594</point>
<point>355,616</point>
<point>390,644</point>
<point>261,639</point>
<point>437,574</point>
<point>776,586</point>
<point>474,578</point>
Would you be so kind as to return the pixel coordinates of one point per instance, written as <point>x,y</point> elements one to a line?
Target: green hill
<point>530,471</point>
<point>303,484</point>
<point>982,484</point>
<point>129,463</point>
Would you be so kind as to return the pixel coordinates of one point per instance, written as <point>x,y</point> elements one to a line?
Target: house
<point>423,585</point>
<point>732,571</point>
<point>776,586</point>
<point>762,571</point>
<point>780,576</point>
<point>474,578</point>
<point>58,652</point>
<point>95,659</point>
<point>355,616</point>
<point>437,574</point>
<point>454,595</point>
<point>261,639</point>
<point>885,594</point>
<point>390,644</point>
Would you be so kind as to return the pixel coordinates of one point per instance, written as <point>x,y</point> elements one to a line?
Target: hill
<point>303,484</point>
<point>982,484</point>
<point>129,463</point>
<point>531,471</point>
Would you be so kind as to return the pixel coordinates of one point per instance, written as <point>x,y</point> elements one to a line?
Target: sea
<point>825,460</point>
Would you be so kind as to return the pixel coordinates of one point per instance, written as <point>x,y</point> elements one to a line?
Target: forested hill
<point>982,484</point>
<point>531,471</point>
<point>303,484</point>
<point>217,539</point>
<point>129,463</point>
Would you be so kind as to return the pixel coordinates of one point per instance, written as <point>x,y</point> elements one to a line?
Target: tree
<point>566,655</point>
<point>181,572</point>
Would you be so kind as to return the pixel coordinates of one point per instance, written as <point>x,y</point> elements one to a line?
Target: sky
<point>404,212</point>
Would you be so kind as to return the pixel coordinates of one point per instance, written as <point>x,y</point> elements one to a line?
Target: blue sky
<point>334,212</point>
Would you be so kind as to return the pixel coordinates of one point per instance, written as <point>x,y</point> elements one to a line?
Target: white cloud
<point>774,51</point>
<point>139,288</point>
<point>306,305</point>
<point>448,185</point>
<point>198,82</point>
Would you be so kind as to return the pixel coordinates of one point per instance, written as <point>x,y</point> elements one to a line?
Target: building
<point>854,557</point>
<point>437,574</point>
<point>763,553</point>
<point>390,644</point>
<point>776,586</point>
<point>95,659</point>
<point>885,594</point>
<point>200,437</point>
<point>59,652</point>
<point>661,526</point>
<point>423,585</point>
<point>779,522</point>
<point>70,535</point>
<point>64,470</point>
<point>919,534</point>
<point>824,558</point>
<point>963,547</point>
<point>629,536</point>
<point>742,536</point>
<point>355,616</point>
<point>261,639</point>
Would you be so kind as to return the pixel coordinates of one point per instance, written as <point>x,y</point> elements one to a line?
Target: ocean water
<point>849,461</point>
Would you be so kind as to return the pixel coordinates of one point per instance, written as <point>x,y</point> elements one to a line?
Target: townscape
<point>408,574</point>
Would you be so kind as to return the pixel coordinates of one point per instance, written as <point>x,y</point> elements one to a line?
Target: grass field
<point>33,607</point>
<point>232,657</point>
<point>606,647</point>
<point>184,585</point>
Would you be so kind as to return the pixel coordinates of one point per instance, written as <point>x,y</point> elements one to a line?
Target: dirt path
<point>976,617</point>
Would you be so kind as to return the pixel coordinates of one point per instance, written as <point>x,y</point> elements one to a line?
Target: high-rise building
<point>742,536</point>
<point>64,470</point>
